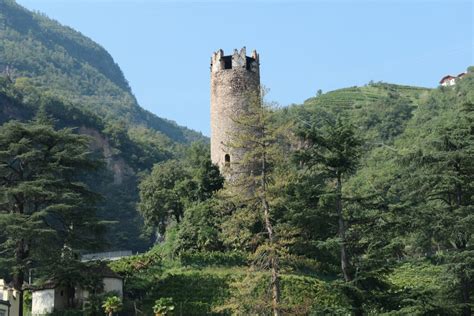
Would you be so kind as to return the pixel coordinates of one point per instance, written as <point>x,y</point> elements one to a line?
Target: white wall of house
<point>113,285</point>
<point>449,82</point>
<point>47,300</point>
<point>10,295</point>
<point>43,302</point>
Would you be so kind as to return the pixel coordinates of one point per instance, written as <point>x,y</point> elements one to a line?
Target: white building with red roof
<point>449,80</point>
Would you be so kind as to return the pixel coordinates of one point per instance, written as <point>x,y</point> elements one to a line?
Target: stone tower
<point>235,81</point>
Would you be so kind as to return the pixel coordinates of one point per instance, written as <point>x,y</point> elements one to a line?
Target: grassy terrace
<point>367,94</point>
<point>204,287</point>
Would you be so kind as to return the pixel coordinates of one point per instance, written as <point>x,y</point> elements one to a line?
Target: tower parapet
<point>238,60</point>
<point>235,81</point>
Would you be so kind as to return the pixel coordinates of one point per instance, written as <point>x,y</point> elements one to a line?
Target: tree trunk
<point>19,275</point>
<point>71,293</point>
<point>345,265</point>
<point>463,279</point>
<point>465,289</point>
<point>275,278</point>
<point>274,262</point>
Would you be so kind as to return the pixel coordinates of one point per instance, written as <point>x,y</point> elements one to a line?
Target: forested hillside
<point>80,85</point>
<point>357,202</point>
<point>122,157</point>
<point>380,110</point>
<point>369,192</point>
<point>63,62</point>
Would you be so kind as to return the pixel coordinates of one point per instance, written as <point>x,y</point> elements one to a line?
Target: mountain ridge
<point>62,61</point>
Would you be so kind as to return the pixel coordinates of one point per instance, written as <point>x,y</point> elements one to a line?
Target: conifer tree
<point>45,208</point>
<point>439,190</point>
<point>332,151</point>
<point>250,191</point>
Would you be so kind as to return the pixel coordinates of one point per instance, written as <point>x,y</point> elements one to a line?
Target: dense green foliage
<point>65,63</point>
<point>112,305</point>
<point>213,288</point>
<point>372,210</point>
<point>125,153</point>
<point>80,86</point>
<point>361,201</point>
<point>47,214</point>
<point>174,186</point>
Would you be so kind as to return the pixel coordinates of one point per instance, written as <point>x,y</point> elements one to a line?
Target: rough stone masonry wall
<point>231,91</point>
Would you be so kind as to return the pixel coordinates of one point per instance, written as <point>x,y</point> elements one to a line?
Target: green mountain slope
<point>80,85</point>
<point>63,62</point>
<point>123,158</point>
<point>379,110</point>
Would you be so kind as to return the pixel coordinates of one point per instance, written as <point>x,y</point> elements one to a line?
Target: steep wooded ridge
<point>79,84</point>
<point>67,64</point>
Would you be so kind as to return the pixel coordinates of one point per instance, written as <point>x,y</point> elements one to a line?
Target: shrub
<point>215,258</point>
<point>112,304</point>
<point>163,306</point>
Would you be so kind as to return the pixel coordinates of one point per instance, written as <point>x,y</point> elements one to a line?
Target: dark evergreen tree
<point>332,150</point>
<point>45,208</point>
<point>439,191</point>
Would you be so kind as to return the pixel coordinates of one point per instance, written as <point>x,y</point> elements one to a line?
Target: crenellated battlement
<point>238,60</point>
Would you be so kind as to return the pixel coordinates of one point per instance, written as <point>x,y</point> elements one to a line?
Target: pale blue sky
<point>164,47</point>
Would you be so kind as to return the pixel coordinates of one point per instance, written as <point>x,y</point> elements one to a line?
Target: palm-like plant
<point>163,306</point>
<point>112,304</point>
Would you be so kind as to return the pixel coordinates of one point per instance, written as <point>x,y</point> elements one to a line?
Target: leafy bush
<point>163,306</point>
<point>112,304</point>
<point>214,258</point>
<point>68,312</point>
<point>130,265</point>
<point>250,294</point>
<point>194,292</point>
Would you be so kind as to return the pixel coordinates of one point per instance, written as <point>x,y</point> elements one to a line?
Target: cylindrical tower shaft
<point>235,81</point>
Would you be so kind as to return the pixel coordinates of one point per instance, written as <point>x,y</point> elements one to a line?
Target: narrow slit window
<point>227,160</point>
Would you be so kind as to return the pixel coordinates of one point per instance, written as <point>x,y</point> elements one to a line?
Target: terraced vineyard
<point>354,96</point>
<point>379,110</point>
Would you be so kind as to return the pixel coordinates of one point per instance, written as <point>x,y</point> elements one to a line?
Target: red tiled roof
<point>446,78</point>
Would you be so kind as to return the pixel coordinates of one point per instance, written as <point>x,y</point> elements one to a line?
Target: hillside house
<point>448,81</point>
<point>9,300</point>
<point>461,75</point>
<point>50,296</point>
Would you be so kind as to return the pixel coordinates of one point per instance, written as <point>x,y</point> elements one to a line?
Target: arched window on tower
<point>227,160</point>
